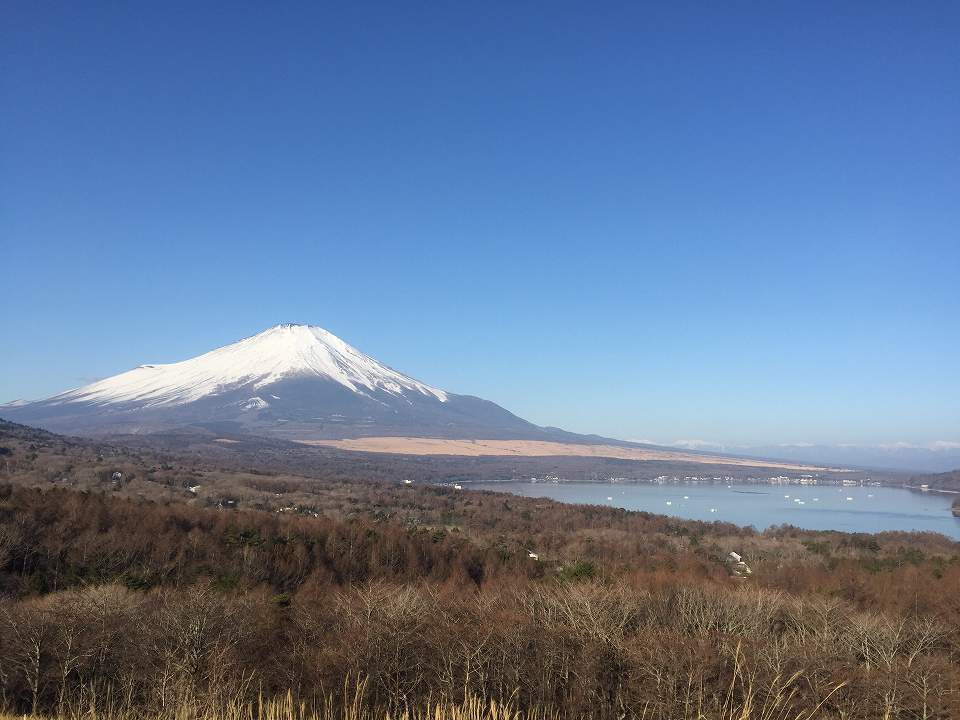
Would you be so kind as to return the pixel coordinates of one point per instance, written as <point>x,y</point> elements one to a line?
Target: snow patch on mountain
<point>278,353</point>
<point>255,403</point>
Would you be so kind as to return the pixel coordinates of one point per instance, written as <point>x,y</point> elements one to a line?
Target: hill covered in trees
<point>940,481</point>
<point>127,589</point>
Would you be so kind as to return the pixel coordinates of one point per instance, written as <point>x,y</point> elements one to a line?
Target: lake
<point>822,507</point>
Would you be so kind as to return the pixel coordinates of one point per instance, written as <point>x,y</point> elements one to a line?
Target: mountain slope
<point>279,353</point>
<point>294,381</point>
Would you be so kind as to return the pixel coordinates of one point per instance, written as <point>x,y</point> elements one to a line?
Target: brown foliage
<point>156,606</point>
<point>142,596</point>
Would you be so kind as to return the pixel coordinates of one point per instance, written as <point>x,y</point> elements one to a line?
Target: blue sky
<point>737,223</point>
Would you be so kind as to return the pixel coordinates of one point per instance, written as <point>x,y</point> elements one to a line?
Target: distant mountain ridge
<point>938,457</point>
<point>292,381</point>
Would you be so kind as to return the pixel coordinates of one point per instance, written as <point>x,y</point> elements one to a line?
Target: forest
<point>124,593</point>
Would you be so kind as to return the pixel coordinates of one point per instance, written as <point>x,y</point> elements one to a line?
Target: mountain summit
<point>280,353</point>
<point>295,381</point>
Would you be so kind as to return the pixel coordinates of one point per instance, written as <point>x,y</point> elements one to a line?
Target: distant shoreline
<point>930,489</point>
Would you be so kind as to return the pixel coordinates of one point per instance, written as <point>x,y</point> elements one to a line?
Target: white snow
<point>281,352</point>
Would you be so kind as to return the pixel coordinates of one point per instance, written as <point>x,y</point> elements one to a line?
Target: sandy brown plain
<point>539,448</point>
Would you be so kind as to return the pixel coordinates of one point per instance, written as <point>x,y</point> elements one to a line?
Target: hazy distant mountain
<point>294,381</point>
<point>938,457</point>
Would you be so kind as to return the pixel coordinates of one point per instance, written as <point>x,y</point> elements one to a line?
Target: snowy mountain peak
<point>291,381</point>
<point>282,352</point>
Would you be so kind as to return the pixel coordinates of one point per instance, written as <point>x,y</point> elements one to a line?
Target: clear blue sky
<point>727,221</point>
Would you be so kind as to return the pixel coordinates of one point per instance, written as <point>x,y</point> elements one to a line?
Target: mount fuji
<point>289,381</point>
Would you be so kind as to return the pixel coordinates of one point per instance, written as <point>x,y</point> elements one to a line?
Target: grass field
<point>538,448</point>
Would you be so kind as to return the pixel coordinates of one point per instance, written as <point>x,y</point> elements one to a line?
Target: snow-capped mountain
<point>295,381</point>
<point>279,353</point>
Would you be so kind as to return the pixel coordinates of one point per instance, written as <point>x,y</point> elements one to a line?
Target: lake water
<point>823,507</point>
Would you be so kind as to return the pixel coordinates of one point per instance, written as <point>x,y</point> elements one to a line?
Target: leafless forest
<point>144,584</point>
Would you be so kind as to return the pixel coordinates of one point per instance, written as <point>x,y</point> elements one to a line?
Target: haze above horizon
<point>737,224</point>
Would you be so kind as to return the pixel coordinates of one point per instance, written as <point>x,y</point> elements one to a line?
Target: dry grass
<point>289,709</point>
<point>538,448</point>
<point>742,701</point>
